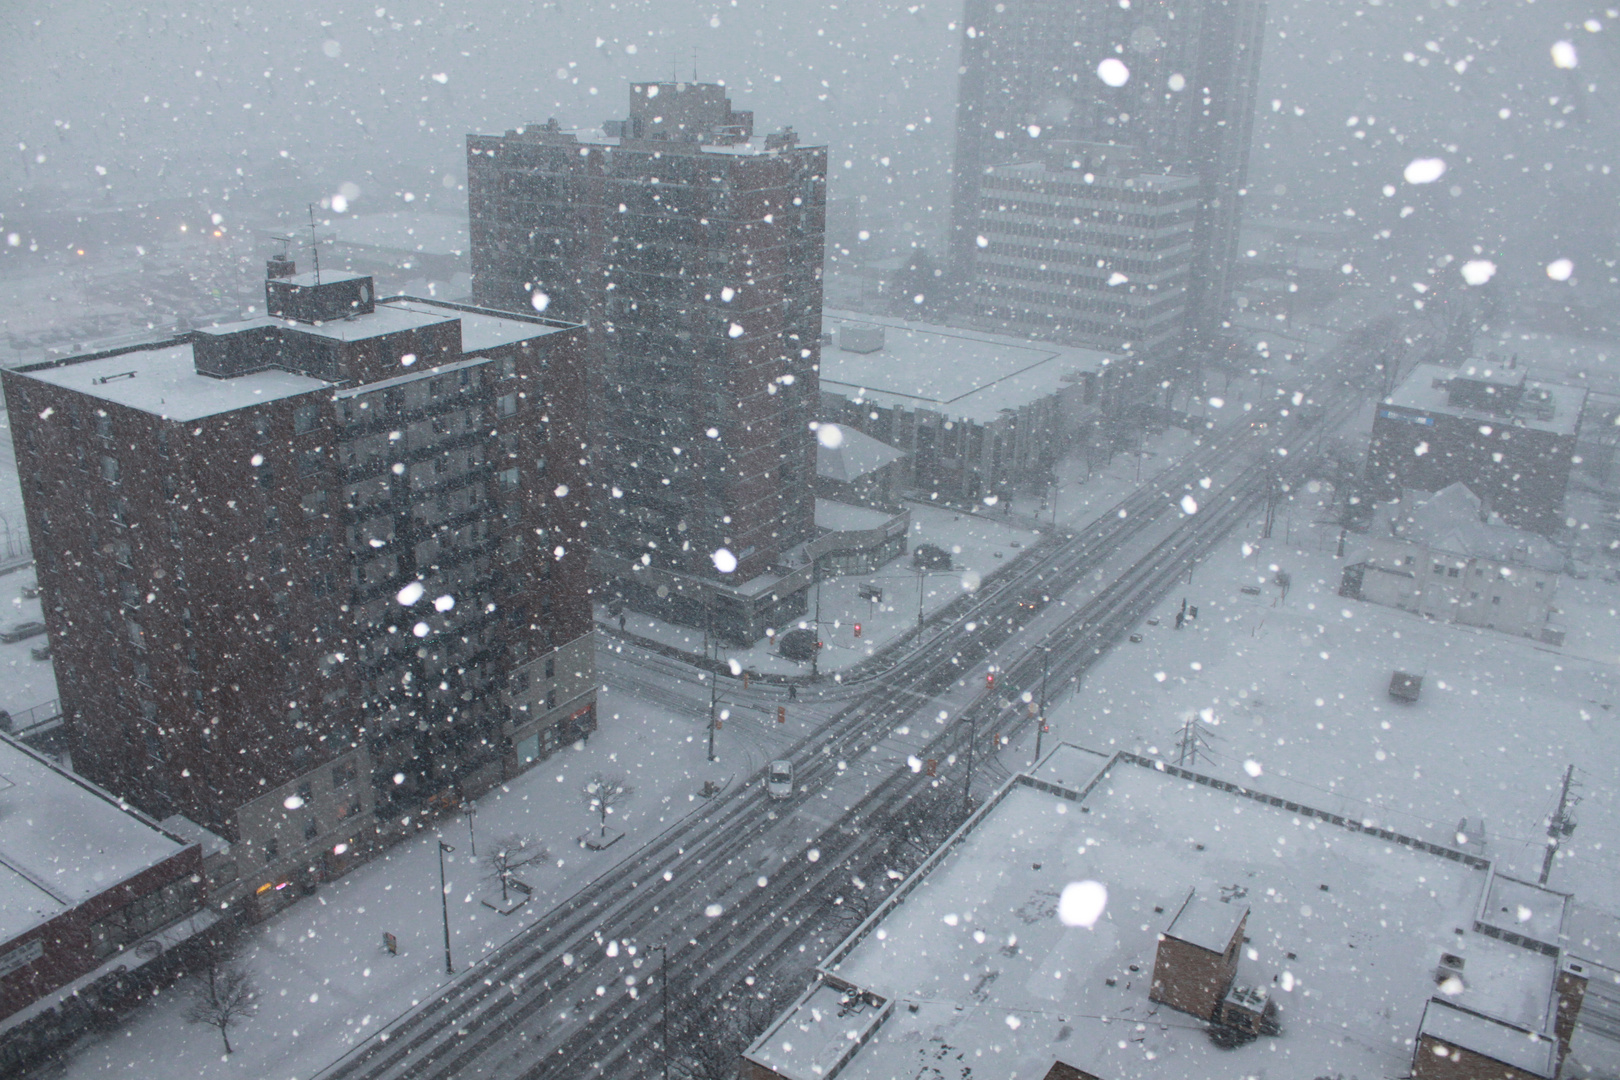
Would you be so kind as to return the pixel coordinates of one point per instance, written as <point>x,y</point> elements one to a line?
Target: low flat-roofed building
<point>90,890</point>
<point>1441,556</point>
<point>988,966</point>
<point>976,412</point>
<point>1486,424</point>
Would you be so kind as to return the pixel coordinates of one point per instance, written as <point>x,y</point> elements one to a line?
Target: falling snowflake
<point>1114,72</point>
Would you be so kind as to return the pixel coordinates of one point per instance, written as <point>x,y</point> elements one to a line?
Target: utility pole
<point>1560,825</point>
<point>1040,717</point>
<point>920,575</point>
<point>973,737</point>
<point>815,654</point>
<point>714,674</point>
<point>663,978</point>
<point>1191,741</point>
<point>444,906</point>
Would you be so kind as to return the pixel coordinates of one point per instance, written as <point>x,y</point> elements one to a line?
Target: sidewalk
<point>325,982</point>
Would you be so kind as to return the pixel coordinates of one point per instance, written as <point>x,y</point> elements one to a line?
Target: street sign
<point>781,714</point>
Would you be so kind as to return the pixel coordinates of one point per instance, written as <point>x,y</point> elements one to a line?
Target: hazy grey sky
<point>172,96</point>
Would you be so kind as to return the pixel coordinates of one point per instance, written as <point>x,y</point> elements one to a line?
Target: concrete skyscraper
<point>1100,151</point>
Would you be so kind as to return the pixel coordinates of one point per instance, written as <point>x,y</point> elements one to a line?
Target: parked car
<point>22,631</point>
<point>779,779</point>
<point>30,592</point>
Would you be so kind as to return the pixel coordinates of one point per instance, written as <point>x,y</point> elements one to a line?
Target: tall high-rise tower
<point>1165,87</point>
<point>692,249</point>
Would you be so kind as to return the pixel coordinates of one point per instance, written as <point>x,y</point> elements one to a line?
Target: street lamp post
<point>663,979</point>
<point>444,906</point>
<point>1040,718</point>
<point>470,808</point>
<point>714,674</point>
<point>973,737</point>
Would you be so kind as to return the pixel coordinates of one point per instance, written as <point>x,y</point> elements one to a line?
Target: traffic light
<point>989,680</point>
<point>857,629</point>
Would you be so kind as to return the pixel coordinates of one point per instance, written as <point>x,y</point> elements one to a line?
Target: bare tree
<point>707,1041</point>
<point>512,853</point>
<point>604,791</point>
<point>223,995</point>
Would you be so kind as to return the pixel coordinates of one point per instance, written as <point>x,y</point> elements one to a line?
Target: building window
<point>343,773</point>
<point>1438,569</point>
<point>109,468</point>
<point>551,667</point>
<point>1496,600</point>
<point>1540,585</point>
<point>272,848</point>
<point>551,699</point>
<point>305,417</point>
<point>312,829</point>
<point>506,404</point>
<point>509,478</point>
<point>154,749</point>
<point>144,915</point>
<point>1453,572</point>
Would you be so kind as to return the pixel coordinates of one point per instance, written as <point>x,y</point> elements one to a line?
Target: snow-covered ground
<point>1296,693</point>
<point>980,545</point>
<point>325,981</point>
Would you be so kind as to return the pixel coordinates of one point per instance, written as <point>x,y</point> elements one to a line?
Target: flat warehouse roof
<point>1346,924</point>
<point>963,374</point>
<point>63,841</point>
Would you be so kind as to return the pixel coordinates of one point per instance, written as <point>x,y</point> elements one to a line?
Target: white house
<point>1444,558</point>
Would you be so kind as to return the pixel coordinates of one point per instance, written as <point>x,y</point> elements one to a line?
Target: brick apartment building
<point>693,250</point>
<point>1510,439</point>
<point>313,569</point>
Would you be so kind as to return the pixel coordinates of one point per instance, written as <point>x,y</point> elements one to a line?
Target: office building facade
<point>1170,86</point>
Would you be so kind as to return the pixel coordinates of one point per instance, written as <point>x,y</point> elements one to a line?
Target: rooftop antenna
<point>694,65</point>
<point>314,245</point>
<point>286,245</point>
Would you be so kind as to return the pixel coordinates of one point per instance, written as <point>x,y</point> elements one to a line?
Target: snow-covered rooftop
<point>163,380</point>
<point>479,330</point>
<point>1534,1053</point>
<point>845,517</point>
<point>1346,926</point>
<point>63,841</point>
<point>1450,520</point>
<point>850,454</point>
<point>1207,919</point>
<point>963,374</point>
<point>1426,389</point>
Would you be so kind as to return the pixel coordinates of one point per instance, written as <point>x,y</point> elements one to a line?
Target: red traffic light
<point>989,679</point>
<point>857,629</point>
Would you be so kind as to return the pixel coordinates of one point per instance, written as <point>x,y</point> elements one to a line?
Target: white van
<point>779,779</point>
